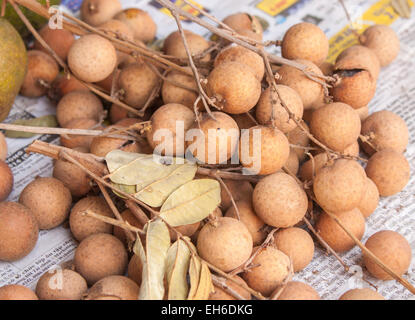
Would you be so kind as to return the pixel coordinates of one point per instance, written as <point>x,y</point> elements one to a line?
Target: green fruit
<point>36,20</point>
<point>13,65</point>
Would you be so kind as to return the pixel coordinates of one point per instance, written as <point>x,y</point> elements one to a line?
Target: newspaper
<point>395,92</point>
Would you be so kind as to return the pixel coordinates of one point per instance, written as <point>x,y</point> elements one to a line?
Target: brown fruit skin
<point>363,113</point>
<point>306,170</point>
<point>78,141</point>
<point>221,294</point>
<point>300,138</point>
<point>248,217</point>
<point>74,178</point>
<point>361,294</point>
<point>187,230</point>
<point>279,201</point>
<point>40,67</point>
<point>119,287</point>
<point>296,290</point>
<point>138,81</point>
<point>226,243</point>
<point>339,186</point>
<point>129,217</point>
<point>334,235</point>
<point>370,199</point>
<point>174,94</point>
<point>242,55</point>
<point>392,249</point>
<point>173,45</point>
<point>69,285</point>
<point>305,41</point>
<point>16,292</point>
<point>167,117</point>
<point>297,244</point>
<point>60,41</point>
<point>271,268</point>
<point>49,200</point>
<point>79,105</point>
<point>140,22</point>
<point>243,22</point>
<point>292,164</point>
<point>327,68</point>
<point>358,57</point>
<point>117,113</point>
<point>3,147</point>
<point>222,124</point>
<point>352,150</point>
<point>6,180</point>
<point>92,58</point>
<point>274,150</point>
<point>135,269</point>
<point>375,38</point>
<point>336,125</point>
<point>266,107</point>
<point>389,170</point>
<point>389,132</point>
<point>18,231</point>
<point>100,255</point>
<point>82,226</point>
<point>235,87</point>
<point>309,90</point>
<point>96,12</point>
<point>64,85</point>
<point>244,121</point>
<point>240,190</point>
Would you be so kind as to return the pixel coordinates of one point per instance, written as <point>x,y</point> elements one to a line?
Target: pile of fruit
<point>210,229</point>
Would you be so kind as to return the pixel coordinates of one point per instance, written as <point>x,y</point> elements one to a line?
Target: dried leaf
<point>194,274</point>
<point>45,121</point>
<point>153,259</point>
<point>178,259</point>
<point>125,188</point>
<point>191,203</point>
<point>205,286</point>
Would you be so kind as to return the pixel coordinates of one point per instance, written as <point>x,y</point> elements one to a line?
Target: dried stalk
<point>238,215</point>
<point>122,224</point>
<point>221,282</point>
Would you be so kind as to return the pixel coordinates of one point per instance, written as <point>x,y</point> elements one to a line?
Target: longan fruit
<point>82,226</point>
<point>279,201</point>
<point>244,120</point>
<point>225,242</point>
<point>96,12</point>
<point>137,81</point>
<point>140,22</point>
<point>234,86</point>
<point>130,218</point>
<point>297,244</point>
<point>118,28</point>
<point>3,147</point>
<point>248,217</point>
<point>292,164</point>
<point>60,41</point>
<point>392,249</point>
<point>352,150</point>
<point>300,138</point>
<point>63,85</point>
<point>119,287</point>
<point>42,70</point>
<point>117,113</point>
<point>327,68</point>
<point>384,42</point>
<point>135,269</point>
<point>18,231</point>
<point>177,119</point>
<point>263,150</point>
<point>92,58</point>
<point>6,180</point>
<point>309,90</point>
<point>49,200</point>
<point>173,45</point>
<point>220,294</point>
<point>358,57</point>
<point>389,170</point>
<point>269,109</point>
<point>234,53</point>
<point>339,186</point>
<point>17,292</point>
<point>305,41</point>
<point>386,130</point>
<point>296,290</point>
<point>100,255</point>
<point>334,235</point>
<point>361,294</point>
<point>221,133</point>
<point>370,199</point>
<point>363,113</point>
<point>319,161</point>
<point>244,23</point>
<point>240,190</point>
<point>74,178</point>
<point>79,105</point>
<point>336,125</point>
<point>271,267</point>
<point>60,284</point>
<point>187,230</point>
<point>175,94</point>
<point>78,141</point>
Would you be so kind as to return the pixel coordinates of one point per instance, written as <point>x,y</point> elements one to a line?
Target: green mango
<point>36,20</point>
<point>13,66</point>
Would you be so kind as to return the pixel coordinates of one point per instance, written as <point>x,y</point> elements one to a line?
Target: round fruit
<point>135,269</point>
<point>63,85</point>
<point>244,24</point>
<point>100,255</point>
<point>6,180</point>
<point>96,12</point>
<point>221,294</point>
<point>18,231</point>
<point>358,57</point>
<point>130,218</point>
<point>296,290</point>
<point>140,22</point>
<point>352,150</point>
<point>175,94</point>
<point>370,199</point>
<point>118,28</point>
<point>240,190</point>
<point>225,242</point>
<point>310,168</point>
<point>78,141</point>
<point>361,294</point>
<point>59,40</point>
<point>173,45</point>
<point>16,292</point>
<point>299,138</point>
<point>279,201</point>
<point>363,113</point>
<point>119,287</point>
<point>292,164</point>
<point>74,178</point>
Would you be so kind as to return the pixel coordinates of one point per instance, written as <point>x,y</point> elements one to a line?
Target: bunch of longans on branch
<point>215,229</point>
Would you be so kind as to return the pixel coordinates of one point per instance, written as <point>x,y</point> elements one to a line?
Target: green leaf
<point>46,121</point>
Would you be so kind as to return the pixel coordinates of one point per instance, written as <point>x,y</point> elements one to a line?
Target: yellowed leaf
<point>194,274</point>
<point>205,283</point>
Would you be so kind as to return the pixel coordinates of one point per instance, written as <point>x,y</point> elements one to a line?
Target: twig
<point>238,215</point>
<point>137,212</point>
<point>112,221</point>
<point>349,18</point>
<point>221,282</point>
<point>227,175</point>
